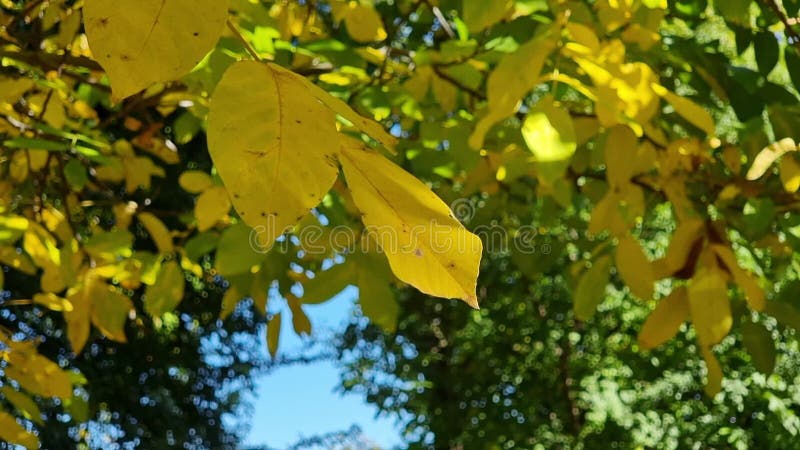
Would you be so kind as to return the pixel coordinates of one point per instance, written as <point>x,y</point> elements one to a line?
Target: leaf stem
<point>244,42</point>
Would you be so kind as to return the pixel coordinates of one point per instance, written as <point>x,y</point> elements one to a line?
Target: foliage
<point>494,378</point>
<point>607,119</point>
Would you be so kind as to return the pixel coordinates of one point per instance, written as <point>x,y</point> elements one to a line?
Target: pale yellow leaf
<point>769,155</point>
<point>549,132</point>
<point>426,246</point>
<point>142,42</point>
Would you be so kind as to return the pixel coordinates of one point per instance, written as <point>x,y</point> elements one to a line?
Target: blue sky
<point>300,401</point>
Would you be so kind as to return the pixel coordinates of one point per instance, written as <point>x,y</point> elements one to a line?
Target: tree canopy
<point>540,159</point>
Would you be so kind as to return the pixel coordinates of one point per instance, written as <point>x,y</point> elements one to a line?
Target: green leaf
<point>76,174</point>
<point>591,289</point>
<point>767,51</point>
<point>167,292</point>
<point>793,65</point>
<point>481,14</point>
<point>236,253</point>
<point>201,244</point>
<point>327,283</point>
<point>36,144</point>
<point>760,345</point>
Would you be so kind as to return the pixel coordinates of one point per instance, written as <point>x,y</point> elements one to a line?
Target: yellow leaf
<point>713,372</point>
<point>53,302</point>
<point>11,89</point>
<point>167,292</point>
<point>769,155</point>
<point>620,155</point>
<point>445,93</point>
<point>635,268</point>
<point>78,319</point>
<point>709,305</point>
<point>665,321</point>
<point>13,433</point>
<point>212,206</point>
<point>300,320</point>
<point>159,232</point>
<point>481,14</point>
<point>142,42</point>
<point>229,301</point>
<point>790,174</point>
<point>12,227</point>
<point>38,375</point>
<point>274,334</point>
<point>23,403</point>
<point>41,246</point>
<point>591,289</point>
<point>139,172</point>
<point>274,144</point>
<point>746,280</point>
<point>21,262</point>
<point>195,181</point>
<point>689,110</point>
<point>426,246</point>
<point>364,23</point>
<point>515,75</point>
<point>683,240</point>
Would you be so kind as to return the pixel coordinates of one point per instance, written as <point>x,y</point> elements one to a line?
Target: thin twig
<point>244,42</point>
<point>771,4</point>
